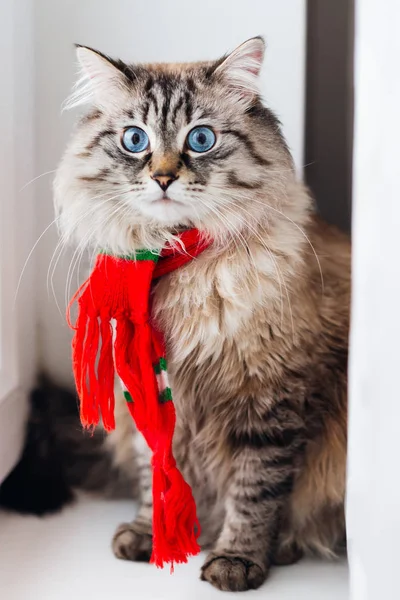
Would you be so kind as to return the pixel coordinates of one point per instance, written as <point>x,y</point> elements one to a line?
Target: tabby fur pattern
<point>256,327</point>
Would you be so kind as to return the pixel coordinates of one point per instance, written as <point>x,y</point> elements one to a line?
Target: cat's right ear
<point>101,80</point>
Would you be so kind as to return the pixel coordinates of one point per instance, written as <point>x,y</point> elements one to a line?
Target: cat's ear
<point>101,80</point>
<point>241,68</point>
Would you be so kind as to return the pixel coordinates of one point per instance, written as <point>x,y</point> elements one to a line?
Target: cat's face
<point>170,146</point>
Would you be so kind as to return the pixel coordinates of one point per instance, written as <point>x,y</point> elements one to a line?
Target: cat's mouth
<point>167,208</point>
<point>165,199</point>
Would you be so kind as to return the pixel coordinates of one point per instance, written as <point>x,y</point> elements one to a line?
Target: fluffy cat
<point>256,327</point>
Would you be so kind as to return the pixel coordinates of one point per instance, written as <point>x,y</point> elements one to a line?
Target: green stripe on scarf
<point>165,395</point>
<point>128,397</point>
<point>160,366</point>
<point>138,255</point>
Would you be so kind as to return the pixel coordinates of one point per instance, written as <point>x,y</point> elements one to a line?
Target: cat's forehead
<point>170,79</point>
<point>174,72</point>
<point>173,94</point>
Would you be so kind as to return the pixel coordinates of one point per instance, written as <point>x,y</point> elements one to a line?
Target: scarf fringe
<point>175,537</point>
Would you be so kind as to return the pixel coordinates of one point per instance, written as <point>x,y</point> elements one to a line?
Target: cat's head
<point>166,146</point>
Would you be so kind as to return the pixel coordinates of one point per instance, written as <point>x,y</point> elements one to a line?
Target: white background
<point>373,508</point>
<point>18,351</point>
<point>161,30</point>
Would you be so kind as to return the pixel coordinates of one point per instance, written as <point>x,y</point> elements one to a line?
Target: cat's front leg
<point>262,480</point>
<point>133,541</point>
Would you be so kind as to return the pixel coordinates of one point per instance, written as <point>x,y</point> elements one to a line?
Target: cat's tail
<point>59,458</point>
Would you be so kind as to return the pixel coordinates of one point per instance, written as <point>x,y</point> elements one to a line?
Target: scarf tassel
<point>174,514</point>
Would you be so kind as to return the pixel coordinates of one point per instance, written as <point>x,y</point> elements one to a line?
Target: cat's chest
<point>219,320</point>
<point>201,308</point>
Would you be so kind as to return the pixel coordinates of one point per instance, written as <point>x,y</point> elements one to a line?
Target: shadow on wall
<point>329,108</point>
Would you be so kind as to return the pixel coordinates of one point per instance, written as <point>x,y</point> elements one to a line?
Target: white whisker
<point>28,258</point>
<point>36,178</point>
<point>303,234</point>
<point>228,225</point>
<point>61,245</point>
<point>281,279</point>
<point>85,242</point>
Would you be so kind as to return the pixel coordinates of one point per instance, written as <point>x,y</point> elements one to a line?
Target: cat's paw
<point>286,555</point>
<point>130,544</point>
<point>233,573</point>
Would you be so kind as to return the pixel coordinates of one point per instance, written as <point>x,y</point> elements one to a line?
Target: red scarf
<point>119,289</point>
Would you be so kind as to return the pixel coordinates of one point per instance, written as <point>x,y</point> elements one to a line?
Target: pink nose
<point>163,179</point>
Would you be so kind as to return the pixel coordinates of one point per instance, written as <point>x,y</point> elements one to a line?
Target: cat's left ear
<point>241,68</point>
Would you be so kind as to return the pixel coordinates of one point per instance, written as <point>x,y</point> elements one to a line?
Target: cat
<point>256,327</point>
<point>60,459</point>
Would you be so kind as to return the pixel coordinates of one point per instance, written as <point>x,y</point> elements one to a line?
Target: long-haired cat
<point>256,327</point>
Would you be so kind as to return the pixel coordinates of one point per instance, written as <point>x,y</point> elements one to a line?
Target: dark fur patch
<point>99,137</point>
<point>164,111</point>
<point>269,437</point>
<point>277,490</point>
<point>59,456</point>
<point>188,106</point>
<point>98,177</point>
<point>222,154</point>
<point>176,109</point>
<point>133,163</point>
<point>191,85</point>
<point>187,161</point>
<point>129,113</point>
<point>91,116</point>
<point>154,102</point>
<point>236,182</point>
<point>145,111</point>
<point>149,84</point>
<point>248,144</point>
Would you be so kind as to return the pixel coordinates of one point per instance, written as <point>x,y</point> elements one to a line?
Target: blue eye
<point>135,139</point>
<point>201,139</point>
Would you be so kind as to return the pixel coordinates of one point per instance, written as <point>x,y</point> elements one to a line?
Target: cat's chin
<point>168,213</point>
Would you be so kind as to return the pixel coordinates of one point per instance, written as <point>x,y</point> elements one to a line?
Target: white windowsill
<point>68,556</point>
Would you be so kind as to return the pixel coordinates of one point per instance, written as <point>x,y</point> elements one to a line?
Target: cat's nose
<point>163,179</point>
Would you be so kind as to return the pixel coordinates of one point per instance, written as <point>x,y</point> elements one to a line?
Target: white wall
<point>157,30</point>
<point>373,491</point>
<point>17,225</point>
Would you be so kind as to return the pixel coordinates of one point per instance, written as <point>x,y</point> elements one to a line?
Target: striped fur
<point>257,326</point>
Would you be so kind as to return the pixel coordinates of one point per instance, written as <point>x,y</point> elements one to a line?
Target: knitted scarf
<point>118,290</point>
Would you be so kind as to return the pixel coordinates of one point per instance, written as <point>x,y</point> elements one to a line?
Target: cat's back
<point>330,271</point>
<point>332,247</point>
